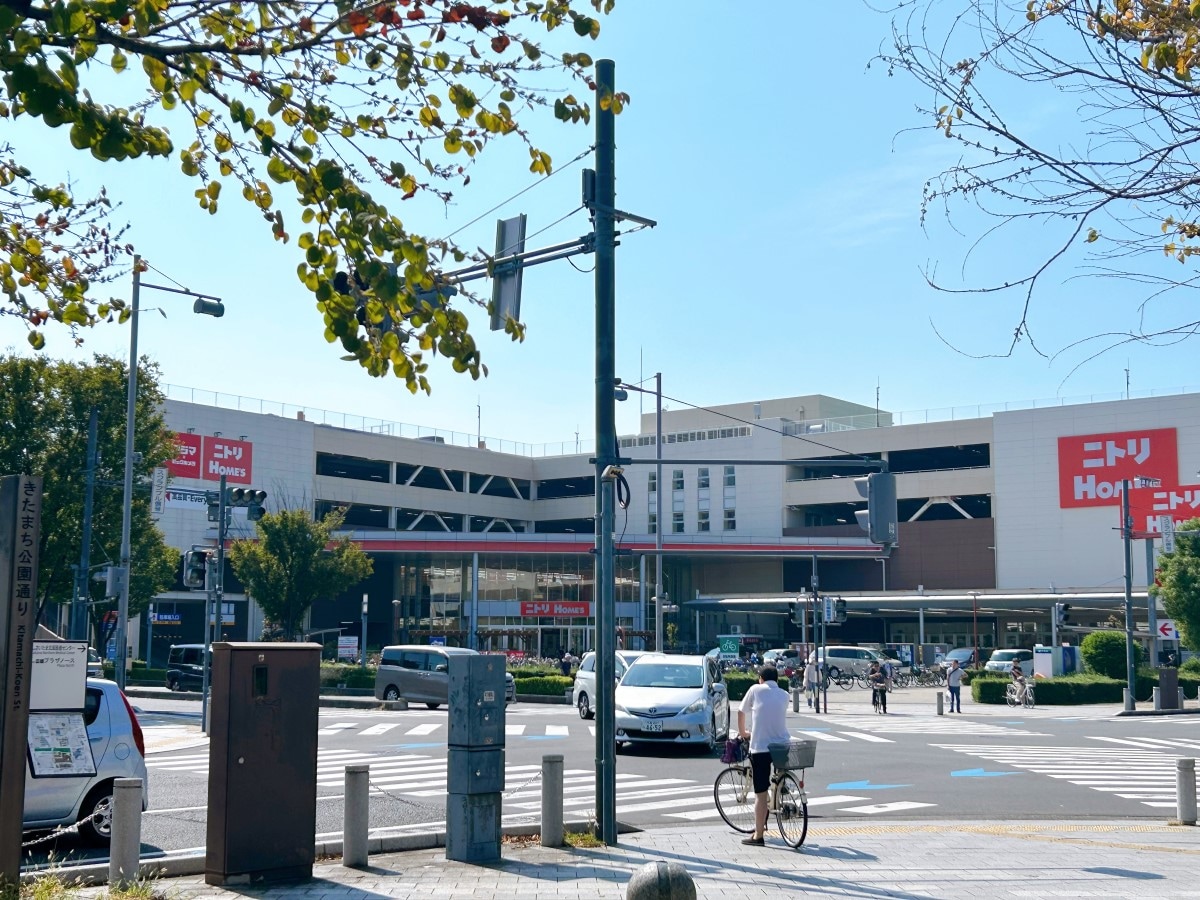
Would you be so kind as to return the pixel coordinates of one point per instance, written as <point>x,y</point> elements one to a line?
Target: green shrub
<point>544,685</point>
<point>737,683</point>
<point>1191,664</point>
<point>352,676</point>
<point>1068,690</point>
<point>521,672</point>
<point>1104,653</point>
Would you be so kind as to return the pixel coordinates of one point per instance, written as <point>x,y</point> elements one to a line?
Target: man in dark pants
<point>878,689</point>
<point>954,683</point>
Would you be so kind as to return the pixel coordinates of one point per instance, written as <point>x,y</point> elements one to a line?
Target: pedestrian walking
<point>878,689</point>
<point>566,662</point>
<point>954,685</point>
<point>812,680</point>
<point>762,720</point>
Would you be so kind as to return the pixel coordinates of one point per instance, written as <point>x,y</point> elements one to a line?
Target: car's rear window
<point>1006,655</point>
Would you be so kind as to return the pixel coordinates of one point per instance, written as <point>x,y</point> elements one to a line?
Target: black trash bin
<point>1168,688</point>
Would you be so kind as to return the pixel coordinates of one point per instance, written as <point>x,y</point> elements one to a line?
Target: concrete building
<point>1002,514</point>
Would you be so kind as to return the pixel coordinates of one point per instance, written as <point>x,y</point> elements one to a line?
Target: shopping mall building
<point>1002,514</point>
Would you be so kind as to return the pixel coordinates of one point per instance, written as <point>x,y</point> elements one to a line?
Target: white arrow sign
<point>1166,630</point>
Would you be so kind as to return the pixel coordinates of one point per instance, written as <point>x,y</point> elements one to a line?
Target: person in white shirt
<point>762,719</point>
<point>811,679</point>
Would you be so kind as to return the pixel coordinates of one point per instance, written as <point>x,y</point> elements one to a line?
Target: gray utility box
<point>262,774</point>
<point>1168,688</point>
<point>475,763</point>
<point>476,701</point>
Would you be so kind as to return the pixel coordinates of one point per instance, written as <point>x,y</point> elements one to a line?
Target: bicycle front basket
<point>793,754</point>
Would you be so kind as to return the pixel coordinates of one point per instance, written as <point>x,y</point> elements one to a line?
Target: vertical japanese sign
<point>1092,466</point>
<point>158,492</point>
<point>20,532</point>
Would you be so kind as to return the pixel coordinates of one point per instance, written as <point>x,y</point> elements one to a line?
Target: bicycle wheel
<point>862,681</point>
<point>791,810</point>
<point>1010,695</point>
<point>734,794</point>
<point>846,681</point>
<point>1027,701</point>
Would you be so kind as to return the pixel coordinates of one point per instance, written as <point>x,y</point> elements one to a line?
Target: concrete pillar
<point>125,850</point>
<point>1156,697</point>
<point>660,881</point>
<point>552,800</point>
<point>1185,790</point>
<point>795,698</point>
<point>941,700</point>
<point>356,815</point>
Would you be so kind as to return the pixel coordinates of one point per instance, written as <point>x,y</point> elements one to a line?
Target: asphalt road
<point>989,764</point>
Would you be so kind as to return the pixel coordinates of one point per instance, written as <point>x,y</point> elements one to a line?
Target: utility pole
<point>79,606</point>
<point>215,594</point>
<point>604,208</point>
<point>659,600</point>
<point>1126,539</point>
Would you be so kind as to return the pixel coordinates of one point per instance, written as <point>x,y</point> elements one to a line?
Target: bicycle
<point>1014,695</point>
<point>733,790</point>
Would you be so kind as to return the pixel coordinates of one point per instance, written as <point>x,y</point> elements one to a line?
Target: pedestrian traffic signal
<point>1062,614</point>
<point>797,612</point>
<point>839,610</point>
<point>878,520</point>
<point>195,569</point>
<point>250,498</point>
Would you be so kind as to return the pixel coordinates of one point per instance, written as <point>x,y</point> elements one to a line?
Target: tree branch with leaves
<point>1110,185</point>
<point>325,104</point>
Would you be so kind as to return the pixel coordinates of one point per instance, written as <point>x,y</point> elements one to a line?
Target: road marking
<point>556,730</point>
<point>822,736</point>
<point>834,798</point>
<point>380,729</point>
<point>873,738</point>
<point>876,808</point>
<point>514,730</point>
<point>337,727</point>
<point>424,729</point>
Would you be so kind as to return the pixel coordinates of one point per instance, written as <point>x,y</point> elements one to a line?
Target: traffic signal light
<point>195,569</point>
<point>797,612</point>
<point>250,498</point>
<point>878,520</point>
<point>839,608</point>
<point>1062,614</point>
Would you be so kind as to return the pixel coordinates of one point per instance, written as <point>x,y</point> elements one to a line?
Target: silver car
<point>672,699</point>
<point>583,691</point>
<point>118,751</point>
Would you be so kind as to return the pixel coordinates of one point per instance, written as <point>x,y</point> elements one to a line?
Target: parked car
<point>855,660</point>
<point>95,665</point>
<point>185,669</point>
<point>965,657</point>
<point>783,656</point>
<point>118,751</point>
<point>421,673</point>
<point>583,691</point>
<point>1002,660</point>
<point>672,699</point>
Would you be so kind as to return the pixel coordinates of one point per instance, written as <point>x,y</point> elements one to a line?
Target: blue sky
<point>788,258</point>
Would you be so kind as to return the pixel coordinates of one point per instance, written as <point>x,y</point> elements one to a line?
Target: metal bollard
<point>125,849</point>
<point>1128,700</point>
<point>1156,697</point>
<point>1181,698</point>
<point>355,816</point>
<point>941,700</point>
<point>795,698</point>
<point>1185,790</point>
<point>552,800</point>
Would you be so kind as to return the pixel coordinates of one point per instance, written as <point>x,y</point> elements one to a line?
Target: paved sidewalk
<point>902,860</point>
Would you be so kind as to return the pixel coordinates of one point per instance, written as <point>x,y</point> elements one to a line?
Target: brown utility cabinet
<point>262,781</point>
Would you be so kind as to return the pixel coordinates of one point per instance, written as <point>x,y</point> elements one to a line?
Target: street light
<point>363,657</point>
<point>975,627</point>
<point>214,307</point>
<point>658,505</point>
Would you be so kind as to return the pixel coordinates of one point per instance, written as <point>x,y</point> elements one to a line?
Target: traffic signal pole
<point>213,597</point>
<point>606,451</point>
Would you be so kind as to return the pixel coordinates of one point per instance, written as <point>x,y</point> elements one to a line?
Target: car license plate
<point>652,726</point>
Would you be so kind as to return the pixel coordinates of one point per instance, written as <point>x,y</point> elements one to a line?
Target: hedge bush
<point>1086,687</point>
<point>737,683</point>
<point>352,676</point>
<point>544,685</point>
<point>1103,652</point>
<point>1191,665</point>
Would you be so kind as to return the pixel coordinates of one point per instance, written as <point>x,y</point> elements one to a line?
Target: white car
<point>1002,661</point>
<point>672,699</point>
<point>583,691</point>
<point>118,751</point>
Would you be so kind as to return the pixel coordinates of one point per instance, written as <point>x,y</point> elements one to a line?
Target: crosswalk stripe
<point>895,806</point>
<point>834,798</point>
<point>383,728</point>
<point>424,729</point>
<point>556,731</point>
<point>873,738</point>
<point>822,736</point>
<point>513,730</point>
<point>336,727</point>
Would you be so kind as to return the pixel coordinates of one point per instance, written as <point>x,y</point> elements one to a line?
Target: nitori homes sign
<point>554,608</point>
<point>1092,466</point>
<point>208,458</point>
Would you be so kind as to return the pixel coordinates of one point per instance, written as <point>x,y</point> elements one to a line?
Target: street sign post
<point>1166,630</point>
